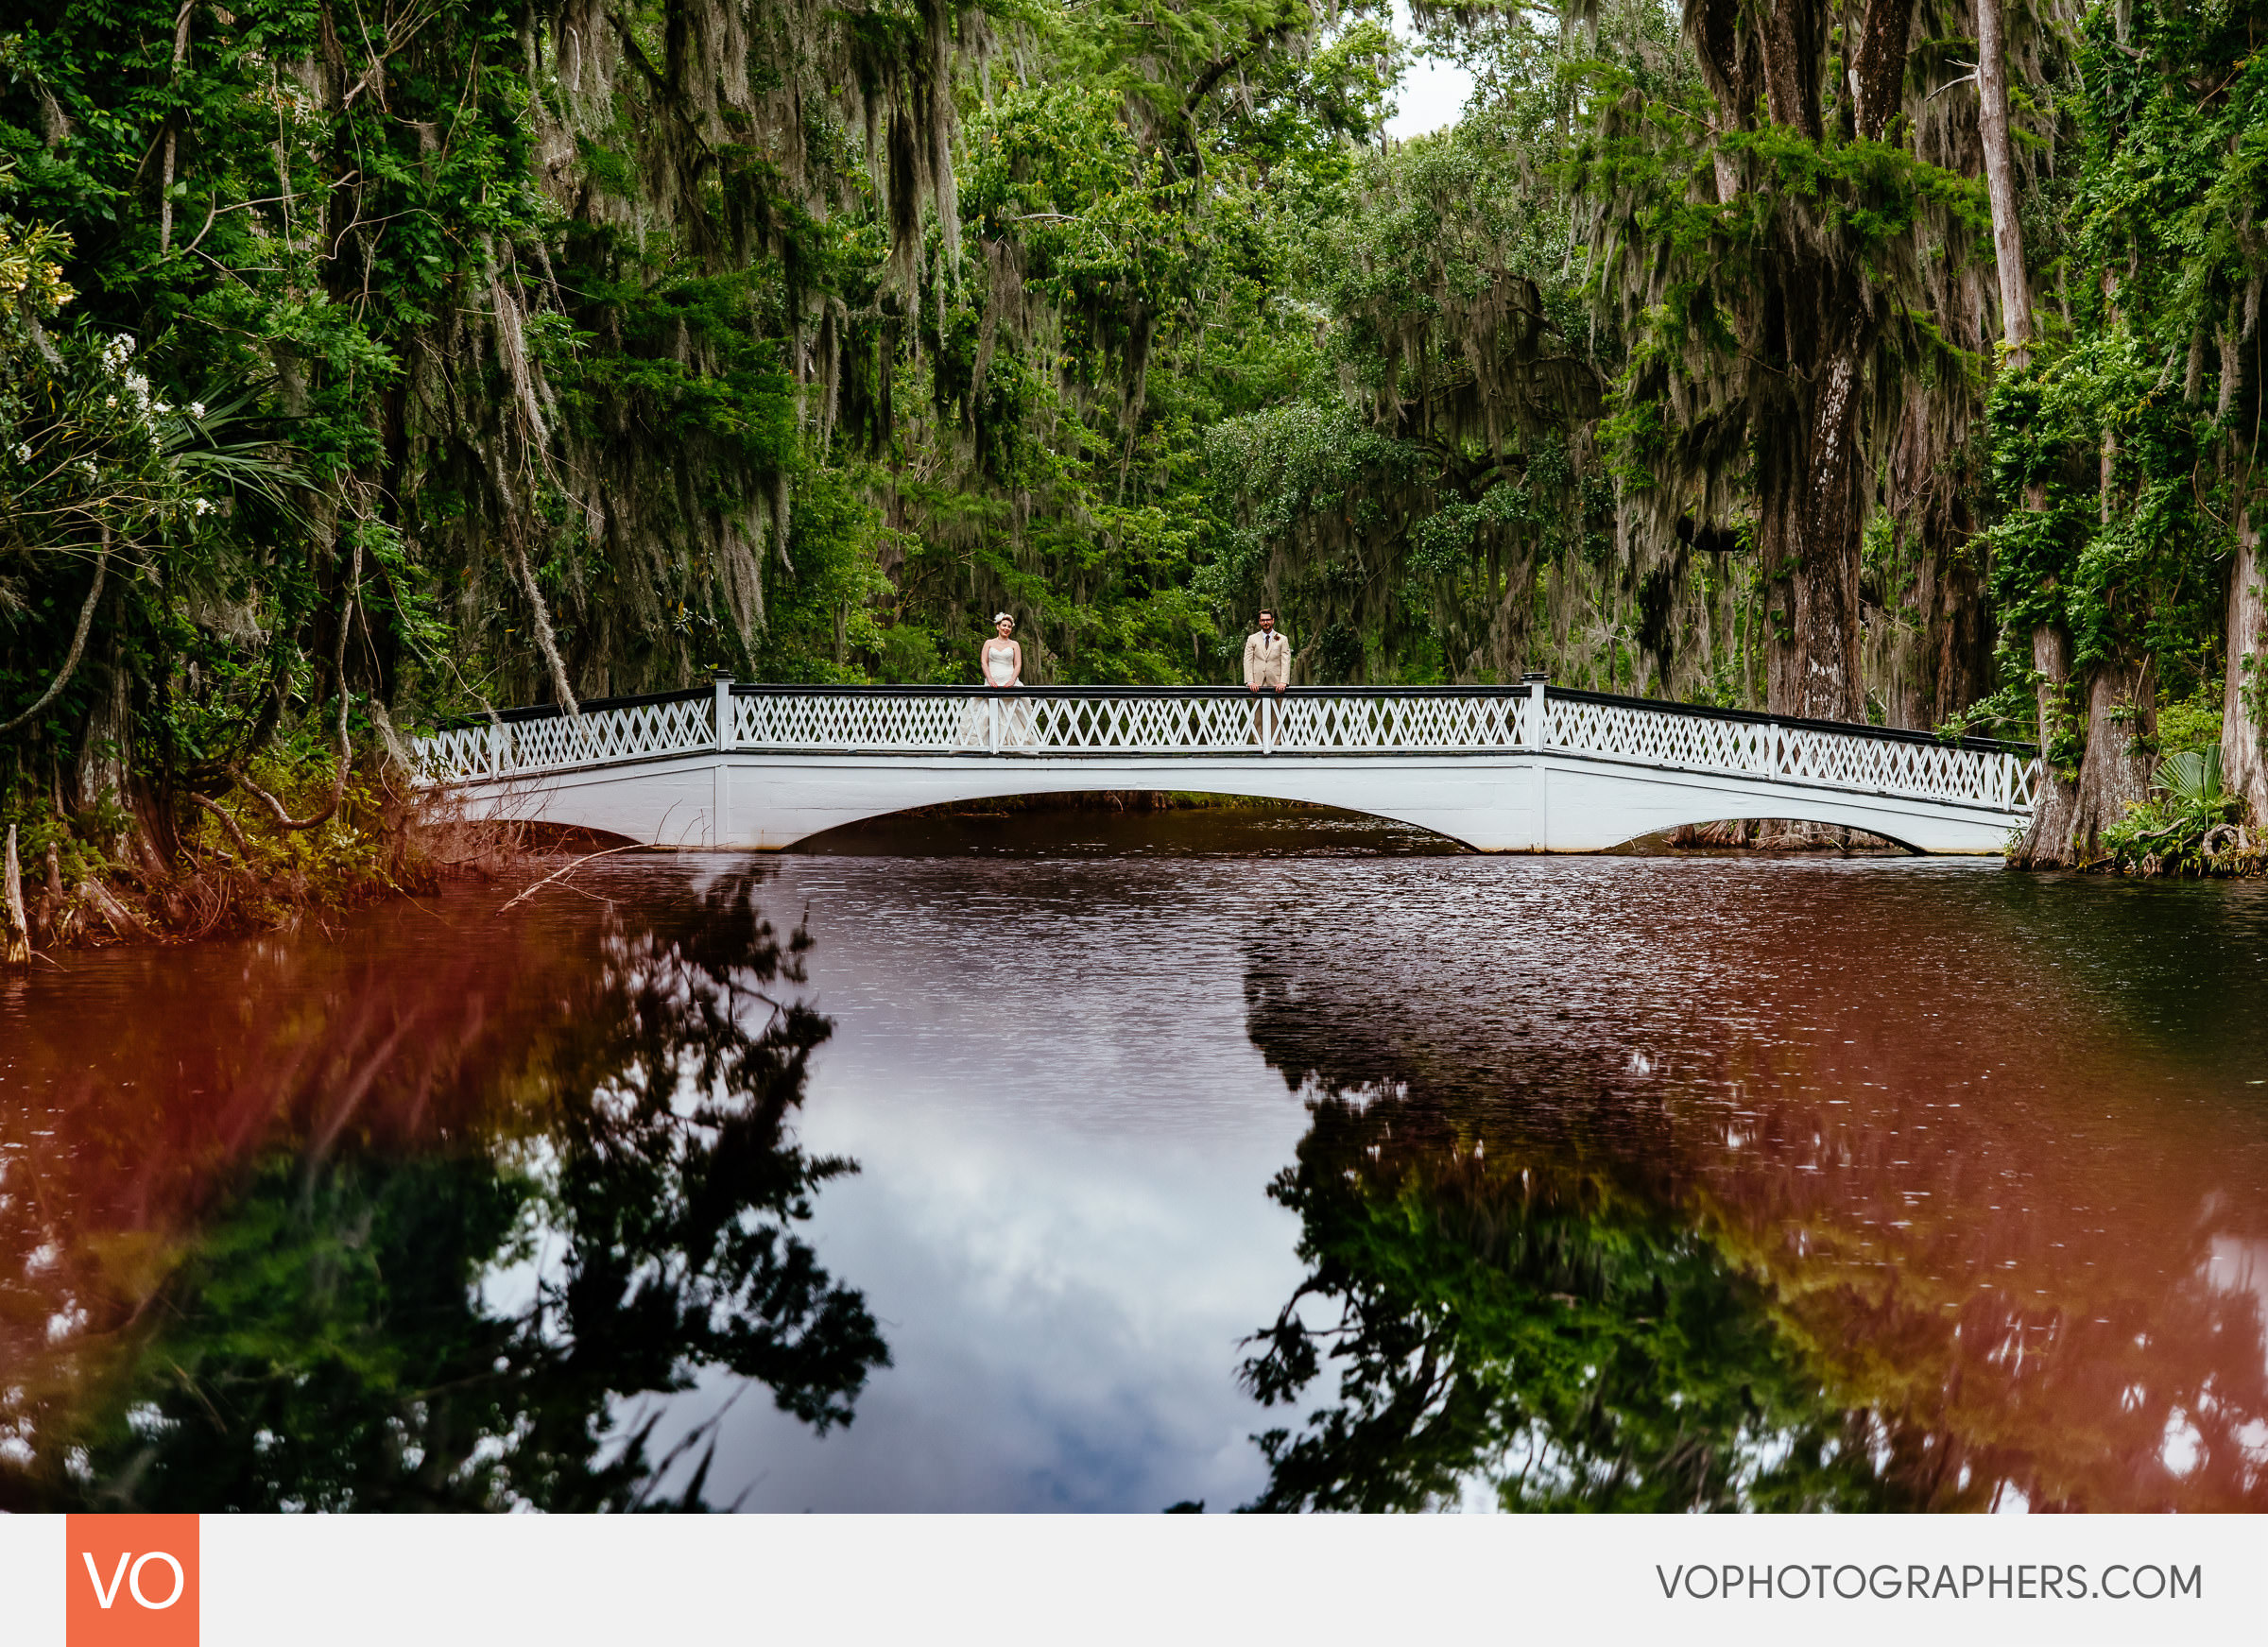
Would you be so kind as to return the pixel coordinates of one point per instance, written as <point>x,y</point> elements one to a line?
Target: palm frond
<point>2192,777</point>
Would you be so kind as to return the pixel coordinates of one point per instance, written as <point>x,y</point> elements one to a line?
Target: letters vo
<point>130,1581</point>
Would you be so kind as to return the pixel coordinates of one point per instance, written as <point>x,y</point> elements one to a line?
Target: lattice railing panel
<point>1700,741</point>
<point>1130,725</point>
<point>558,742</point>
<point>1199,723</point>
<point>1941,771</point>
<point>880,723</point>
<point>1806,754</point>
<point>605,736</point>
<point>457,756</point>
<point>1315,725</point>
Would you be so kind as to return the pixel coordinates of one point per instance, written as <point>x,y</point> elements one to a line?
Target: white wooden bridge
<point>1519,768</point>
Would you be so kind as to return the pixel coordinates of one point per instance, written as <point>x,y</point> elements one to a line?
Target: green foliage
<point>1537,1345</point>
<point>2126,449</point>
<point>2187,826</point>
<point>2192,723</point>
<point>446,355</point>
<point>2083,427</point>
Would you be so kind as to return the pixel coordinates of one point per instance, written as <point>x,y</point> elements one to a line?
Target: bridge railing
<point>1099,722</point>
<point>1872,758</point>
<point>1222,721</point>
<point>525,742</point>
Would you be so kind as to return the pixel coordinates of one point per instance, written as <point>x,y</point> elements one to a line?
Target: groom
<point>1267,657</point>
<point>1267,667</point>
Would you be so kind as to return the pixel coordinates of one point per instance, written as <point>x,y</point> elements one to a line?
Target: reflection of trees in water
<point>1531,1337</point>
<point>435,1233</point>
<point>1543,1272</point>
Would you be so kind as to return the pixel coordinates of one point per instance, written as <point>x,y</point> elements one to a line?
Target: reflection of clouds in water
<point>1064,1139</point>
<point>2184,1443</point>
<point>1064,1319</point>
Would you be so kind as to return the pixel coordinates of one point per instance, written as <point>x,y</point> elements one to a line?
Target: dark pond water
<point>1047,1162</point>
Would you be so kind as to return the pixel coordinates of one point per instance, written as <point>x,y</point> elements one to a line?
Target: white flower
<point>109,399</point>
<point>196,410</point>
<point>160,407</point>
<point>22,453</point>
<point>201,507</point>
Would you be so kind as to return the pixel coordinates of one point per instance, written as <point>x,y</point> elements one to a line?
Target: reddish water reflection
<point>1656,1181</point>
<point>1993,1151</point>
<point>399,1223</point>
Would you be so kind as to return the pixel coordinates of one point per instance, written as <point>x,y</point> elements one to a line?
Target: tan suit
<point>1267,659</point>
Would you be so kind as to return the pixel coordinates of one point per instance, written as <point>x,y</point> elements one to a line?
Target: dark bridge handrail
<point>1563,694</point>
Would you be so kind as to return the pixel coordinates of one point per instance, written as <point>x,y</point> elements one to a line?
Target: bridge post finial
<point>1535,713</point>
<point>721,721</point>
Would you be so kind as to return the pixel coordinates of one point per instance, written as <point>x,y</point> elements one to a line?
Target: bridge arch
<point>1210,814</point>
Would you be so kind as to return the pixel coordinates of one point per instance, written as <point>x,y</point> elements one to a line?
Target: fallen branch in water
<point>569,869</point>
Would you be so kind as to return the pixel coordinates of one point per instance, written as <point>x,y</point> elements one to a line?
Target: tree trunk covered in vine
<point>2048,842</point>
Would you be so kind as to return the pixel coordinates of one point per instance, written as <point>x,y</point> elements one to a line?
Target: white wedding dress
<point>1015,716</point>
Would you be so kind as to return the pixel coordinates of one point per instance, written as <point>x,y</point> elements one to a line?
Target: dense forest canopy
<point>1893,360</point>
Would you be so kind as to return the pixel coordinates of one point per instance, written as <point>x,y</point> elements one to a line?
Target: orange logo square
<point>130,1581</point>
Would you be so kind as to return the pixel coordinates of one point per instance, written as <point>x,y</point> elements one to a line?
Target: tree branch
<point>546,641</point>
<point>227,822</point>
<point>78,641</point>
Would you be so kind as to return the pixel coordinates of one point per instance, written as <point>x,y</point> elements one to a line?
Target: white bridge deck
<point>1521,768</point>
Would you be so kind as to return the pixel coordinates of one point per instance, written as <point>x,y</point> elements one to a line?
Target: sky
<point>1432,89</point>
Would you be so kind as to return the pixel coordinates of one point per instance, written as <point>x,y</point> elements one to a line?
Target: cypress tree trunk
<point>2067,818</point>
<point>1954,669</point>
<point>1808,519</point>
<point>2000,182</point>
<point>2244,703</point>
<point>2047,844</point>
<point>2122,727</point>
<point>105,751</point>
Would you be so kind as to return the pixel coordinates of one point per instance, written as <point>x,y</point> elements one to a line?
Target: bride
<point>1002,659</point>
<point>1001,662</point>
